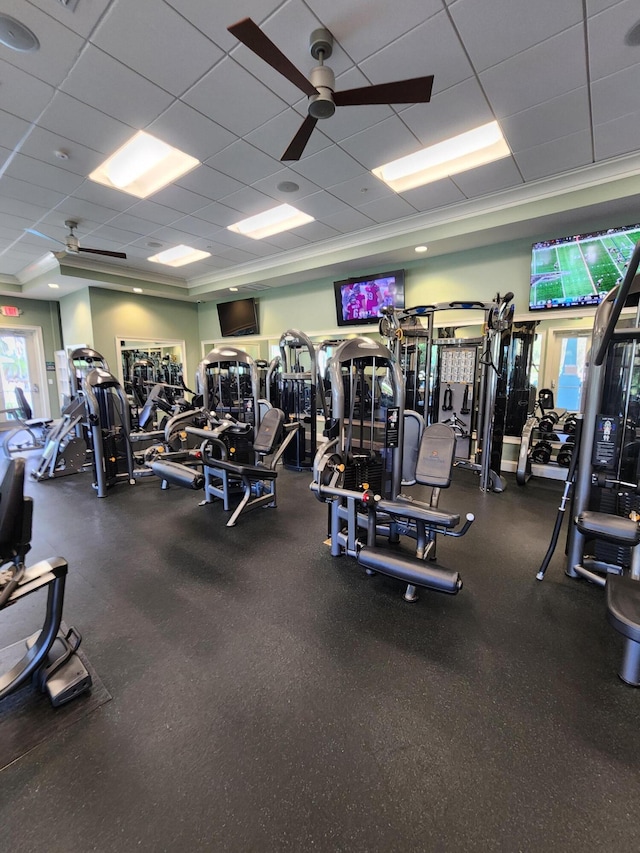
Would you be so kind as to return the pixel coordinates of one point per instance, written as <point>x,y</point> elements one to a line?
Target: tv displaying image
<point>579,271</point>
<point>360,300</point>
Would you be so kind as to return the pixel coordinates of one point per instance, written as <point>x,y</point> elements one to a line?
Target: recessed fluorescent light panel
<point>137,290</point>
<point>281,218</point>
<point>474,148</point>
<point>178,256</point>
<point>143,165</point>
<point>53,286</point>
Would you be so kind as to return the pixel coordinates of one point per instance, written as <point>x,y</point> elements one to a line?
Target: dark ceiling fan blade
<point>250,34</point>
<point>297,144</point>
<point>44,236</point>
<point>103,252</point>
<point>414,91</point>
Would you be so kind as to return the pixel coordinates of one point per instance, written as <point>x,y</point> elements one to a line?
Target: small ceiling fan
<point>320,87</point>
<point>71,243</point>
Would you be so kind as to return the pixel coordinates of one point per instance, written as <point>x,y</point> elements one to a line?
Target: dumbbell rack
<point>546,441</point>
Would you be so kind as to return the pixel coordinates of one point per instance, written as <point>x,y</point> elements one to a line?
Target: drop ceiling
<point>562,79</point>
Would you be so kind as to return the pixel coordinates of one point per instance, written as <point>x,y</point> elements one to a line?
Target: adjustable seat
<point>623,590</point>
<point>257,480</point>
<point>433,469</point>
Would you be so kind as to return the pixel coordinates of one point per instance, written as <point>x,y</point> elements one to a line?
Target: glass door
<point>22,366</point>
<point>566,371</point>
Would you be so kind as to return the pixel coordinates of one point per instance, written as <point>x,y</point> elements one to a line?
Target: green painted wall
<point>77,322</point>
<point>120,316</point>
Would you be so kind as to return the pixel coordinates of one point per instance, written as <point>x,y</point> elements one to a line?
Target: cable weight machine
<point>466,388</point>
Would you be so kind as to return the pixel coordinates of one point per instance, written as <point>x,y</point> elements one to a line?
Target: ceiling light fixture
<point>468,150</point>
<point>278,219</point>
<point>420,249</point>
<point>234,289</point>
<point>137,290</point>
<point>53,286</point>
<point>178,256</point>
<point>143,165</point>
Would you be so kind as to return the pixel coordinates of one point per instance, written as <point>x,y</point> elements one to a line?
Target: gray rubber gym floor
<point>268,697</point>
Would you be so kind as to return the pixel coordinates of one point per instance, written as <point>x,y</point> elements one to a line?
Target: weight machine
<point>468,384</point>
<point>68,446</point>
<point>373,447</point>
<point>291,386</point>
<point>603,544</point>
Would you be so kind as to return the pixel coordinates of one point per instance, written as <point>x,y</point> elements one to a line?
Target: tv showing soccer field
<point>579,271</point>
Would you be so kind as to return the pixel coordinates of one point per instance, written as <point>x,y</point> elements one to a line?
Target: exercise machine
<point>291,386</point>
<point>51,659</point>
<point>604,539</point>
<point>374,447</point>
<point>467,382</point>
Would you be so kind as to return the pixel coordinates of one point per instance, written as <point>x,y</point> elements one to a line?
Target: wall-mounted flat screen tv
<point>360,300</point>
<point>578,271</point>
<point>239,317</point>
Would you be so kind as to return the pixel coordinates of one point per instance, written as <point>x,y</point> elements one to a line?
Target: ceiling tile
<point>104,196</point>
<point>243,162</point>
<point>269,186</point>
<point>180,55</point>
<point>209,182</point>
<point>449,113</point>
<point>218,214</point>
<point>59,46</point>
<point>558,117</point>
<point>73,119</point>
<point>23,94</point>
<point>12,129</point>
<point>616,95</point>
<point>24,191</point>
<point>190,131</point>
<point>82,20</point>
<point>248,201</point>
<point>617,137</point>
<point>348,220</point>
<point>331,164</point>
<point>494,30</point>
<point>101,81</point>
<point>180,199</point>
<point>366,26</point>
<point>432,48</point>
<point>320,205</point>
<point>42,145</point>
<point>317,231</point>
<point>199,13</point>
<point>361,190</point>
<point>489,178</point>
<point>273,137</point>
<point>387,141</point>
<point>547,70</point>
<point>557,156</point>
<point>238,100</point>
<point>387,209</point>
<point>290,239</point>
<point>43,174</point>
<point>434,195</point>
<point>154,212</point>
<point>608,49</point>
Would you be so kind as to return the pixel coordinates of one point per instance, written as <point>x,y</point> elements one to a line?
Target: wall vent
<point>252,288</point>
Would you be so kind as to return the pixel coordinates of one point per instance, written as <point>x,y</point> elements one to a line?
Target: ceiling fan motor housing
<point>322,105</point>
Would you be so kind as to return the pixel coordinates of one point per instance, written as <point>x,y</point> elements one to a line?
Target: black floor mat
<point>27,717</point>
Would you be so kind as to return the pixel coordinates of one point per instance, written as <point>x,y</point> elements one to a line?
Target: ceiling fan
<point>71,243</point>
<point>320,87</point>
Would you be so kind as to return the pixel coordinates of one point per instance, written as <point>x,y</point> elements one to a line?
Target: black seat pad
<point>623,605</point>
<point>419,512</point>
<point>613,528</point>
<point>257,472</point>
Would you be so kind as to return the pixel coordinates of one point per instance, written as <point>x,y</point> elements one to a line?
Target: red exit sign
<point>10,311</point>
